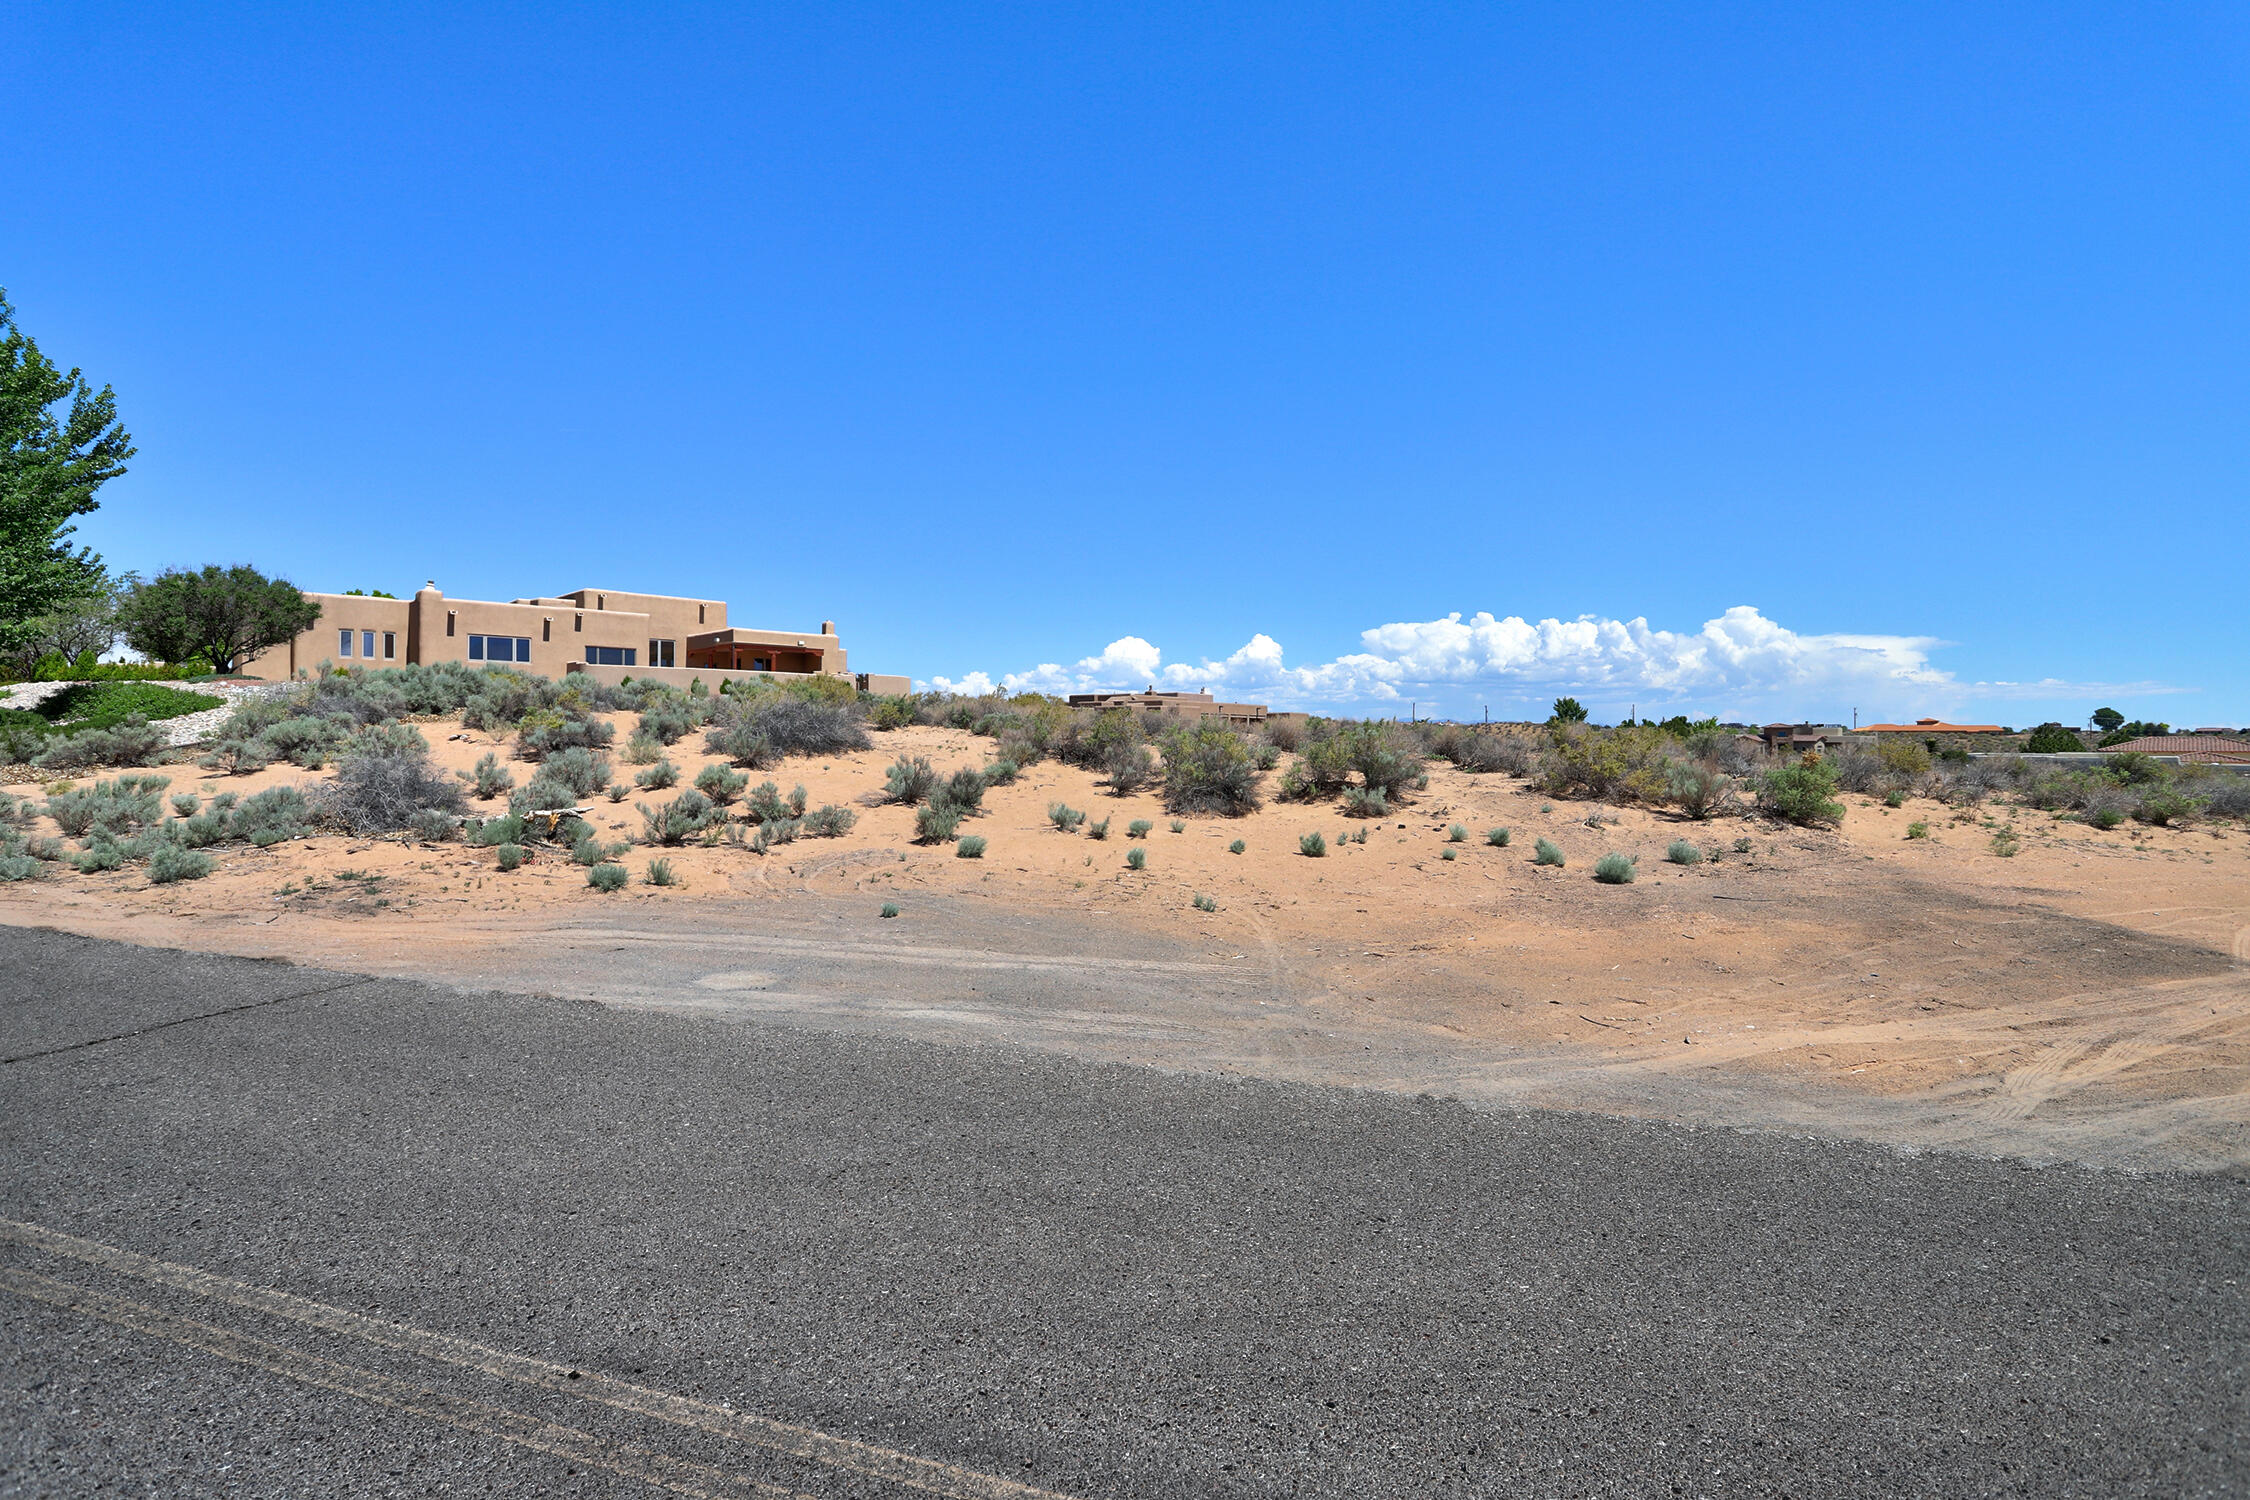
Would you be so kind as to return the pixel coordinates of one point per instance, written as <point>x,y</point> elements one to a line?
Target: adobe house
<point>607,633</point>
<point>1198,705</point>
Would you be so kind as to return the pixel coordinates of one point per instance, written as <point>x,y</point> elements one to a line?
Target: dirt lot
<point>2087,999</point>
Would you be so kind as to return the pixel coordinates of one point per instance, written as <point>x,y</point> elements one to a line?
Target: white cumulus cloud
<point>1733,662</point>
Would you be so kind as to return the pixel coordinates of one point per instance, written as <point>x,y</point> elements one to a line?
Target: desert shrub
<point>1129,768</point>
<point>888,910</point>
<point>963,789</point>
<point>2133,768</point>
<point>1358,835</point>
<point>273,815</point>
<point>2224,794</point>
<point>618,791</point>
<point>1904,759</point>
<point>1002,772</point>
<point>433,825</point>
<point>608,878</point>
<point>542,793</point>
<point>14,867</point>
<point>767,805</point>
<point>1613,869</point>
<point>779,831</point>
<point>117,806</point>
<point>489,778</point>
<point>1284,734</point>
<point>1803,791</point>
<point>495,831</point>
<point>131,743</point>
<point>660,777</point>
<point>2005,843</point>
<point>1065,817</point>
<point>829,821</point>
<point>680,819</point>
<point>1921,830</point>
<point>1695,787</point>
<point>1484,751</point>
<point>1546,852</point>
<point>1312,846</point>
<point>1365,802</point>
<point>102,852</point>
<point>971,847</point>
<point>582,770</point>
<point>1136,858</point>
<point>2162,807</point>
<point>1177,826</point>
<point>786,725</point>
<point>1321,770</point>
<point>184,805</point>
<point>2053,739</point>
<point>170,862</point>
<point>1205,903</point>
<point>1857,769</point>
<point>1237,847</point>
<point>1098,830</point>
<point>667,719</point>
<point>936,822</point>
<point>910,779</point>
<point>721,785</point>
<point>1088,740</point>
<point>1208,768</point>
<point>1387,758</point>
<point>643,748</point>
<point>382,792</point>
<point>1894,798</point>
<point>302,741</point>
<point>1139,828</point>
<point>1448,854</point>
<point>660,872</point>
<point>890,712</point>
<point>1498,837</point>
<point>1457,833</point>
<point>549,732</point>
<point>1681,852</point>
<point>509,855</point>
<point>1626,764</point>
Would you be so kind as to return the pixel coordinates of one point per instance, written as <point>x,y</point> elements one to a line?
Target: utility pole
<point>1855,721</point>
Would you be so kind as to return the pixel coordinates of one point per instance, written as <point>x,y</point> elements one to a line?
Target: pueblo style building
<point>605,633</point>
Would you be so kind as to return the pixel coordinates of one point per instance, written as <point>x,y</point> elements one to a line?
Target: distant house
<point>1183,706</point>
<point>1797,738</point>
<point>1933,726</point>
<point>2194,749</point>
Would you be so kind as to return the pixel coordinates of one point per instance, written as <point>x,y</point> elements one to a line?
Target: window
<point>367,644</point>
<point>699,613</point>
<point>499,648</point>
<point>578,622</point>
<point>449,622</point>
<point>390,645</point>
<point>547,628</point>
<point>610,656</point>
<point>663,654</point>
<point>343,643</point>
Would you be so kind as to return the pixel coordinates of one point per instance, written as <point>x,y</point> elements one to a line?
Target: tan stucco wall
<point>682,677</point>
<point>670,618</point>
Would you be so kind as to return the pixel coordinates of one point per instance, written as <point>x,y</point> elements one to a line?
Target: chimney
<point>828,627</point>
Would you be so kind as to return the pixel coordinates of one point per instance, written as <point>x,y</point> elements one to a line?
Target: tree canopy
<point>60,441</point>
<point>2106,719</point>
<point>1568,711</point>
<point>225,615</point>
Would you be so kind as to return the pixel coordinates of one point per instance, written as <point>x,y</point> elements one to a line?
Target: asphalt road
<point>273,1231</point>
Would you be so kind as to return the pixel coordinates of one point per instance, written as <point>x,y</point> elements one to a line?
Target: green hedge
<point>104,705</point>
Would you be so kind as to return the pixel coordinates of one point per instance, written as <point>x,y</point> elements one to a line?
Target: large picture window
<point>610,656</point>
<point>662,653</point>
<point>499,648</point>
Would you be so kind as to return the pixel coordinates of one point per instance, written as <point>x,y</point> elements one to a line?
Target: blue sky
<point>1767,361</point>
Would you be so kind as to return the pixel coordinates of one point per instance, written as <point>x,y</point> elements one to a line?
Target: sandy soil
<point>2087,999</point>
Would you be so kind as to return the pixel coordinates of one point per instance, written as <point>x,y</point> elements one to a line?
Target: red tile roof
<point>2211,747</point>
<point>1931,726</point>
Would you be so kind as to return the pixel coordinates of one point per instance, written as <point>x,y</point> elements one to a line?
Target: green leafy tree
<point>2052,739</point>
<point>60,441</point>
<point>1568,711</point>
<point>2106,719</point>
<point>224,615</point>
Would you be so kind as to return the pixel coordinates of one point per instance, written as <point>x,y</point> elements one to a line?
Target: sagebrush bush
<point>102,852</point>
<point>1456,834</point>
<point>2162,807</point>
<point>829,821</point>
<point>657,778</point>
<point>667,719</point>
<point>170,862</point>
<point>1205,903</point>
<point>1178,826</point>
<point>1136,858</point>
<point>777,725</point>
<point>1321,770</point>
<point>677,821</point>
<point>721,785</point>
<point>889,712</point>
<point>1498,837</point>
<point>1920,830</point>
<point>489,779</point>
<point>1209,768</point>
<point>1387,758</point>
<point>1001,772</point>
<point>184,804</point>
<point>382,792</point>
<point>971,847</point>
<point>963,789</point>
<point>1802,792</point>
<point>131,743</point>
<point>1312,845</point>
<point>434,825</point>
<point>608,878</point>
<point>1065,817</point>
<point>1129,768</point>
<point>1365,802</point>
<point>1681,852</point>
<point>1139,828</point>
<point>508,855</point>
<point>1487,751</point>
<point>273,815</point>
<point>1613,869</point>
<point>660,872</point>
<point>117,806</point>
<point>14,867</point>
<point>936,822</point>
<point>550,731</point>
<point>643,748</point>
<point>1098,830</point>
<point>1695,787</point>
<point>910,779</point>
<point>582,770</point>
<point>1626,764</point>
<point>1547,852</point>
